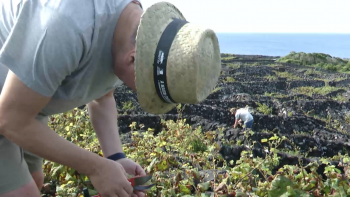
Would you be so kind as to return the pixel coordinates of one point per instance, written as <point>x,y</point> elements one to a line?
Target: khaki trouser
<point>16,164</point>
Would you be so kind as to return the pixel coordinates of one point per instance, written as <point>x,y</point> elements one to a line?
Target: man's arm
<point>39,55</point>
<point>235,125</point>
<point>104,119</point>
<point>236,120</point>
<point>18,124</point>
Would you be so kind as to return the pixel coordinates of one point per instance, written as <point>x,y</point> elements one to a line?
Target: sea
<point>281,44</point>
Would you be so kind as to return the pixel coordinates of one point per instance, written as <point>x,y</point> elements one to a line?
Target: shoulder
<point>79,12</point>
<point>44,42</point>
<point>239,110</point>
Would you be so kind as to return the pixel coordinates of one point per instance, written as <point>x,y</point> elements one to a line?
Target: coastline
<point>281,44</point>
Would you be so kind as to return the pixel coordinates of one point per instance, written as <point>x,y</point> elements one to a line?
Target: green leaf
<point>56,169</point>
<point>274,138</point>
<point>68,177</point>
<point>204,186</point>
<point>279,186</point>
<point>324,161</point>
<point>205,195</point>
<point>184,189</point>
<point>148,169</point>
<point>92,192</point>
<point>263,140</point>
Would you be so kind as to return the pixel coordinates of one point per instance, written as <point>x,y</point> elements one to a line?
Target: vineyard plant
<point>185,161</point>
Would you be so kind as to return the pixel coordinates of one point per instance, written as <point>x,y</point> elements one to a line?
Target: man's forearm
<point>104,119</point>
<point>235,125</point>
<point>44,142</point>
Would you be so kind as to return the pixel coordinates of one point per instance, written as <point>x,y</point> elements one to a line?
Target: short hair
<point>232,110</point>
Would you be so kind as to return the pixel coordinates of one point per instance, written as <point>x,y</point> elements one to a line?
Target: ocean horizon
<point>281,44</point>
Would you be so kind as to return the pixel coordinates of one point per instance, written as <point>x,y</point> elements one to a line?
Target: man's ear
<point>126,61</point>
<point>130,58</point>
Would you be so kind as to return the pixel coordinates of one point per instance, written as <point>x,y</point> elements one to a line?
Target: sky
<point>266,16</point>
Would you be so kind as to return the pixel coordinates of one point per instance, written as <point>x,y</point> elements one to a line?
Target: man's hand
<point>135,169</point>
<point>110,179</point>
<point>237,122</point>
<point>235,125</point>
<point>104,117</point>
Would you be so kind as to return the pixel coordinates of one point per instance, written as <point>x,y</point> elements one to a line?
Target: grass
<point>128,105</point>
<point>227,58</point>
<point>275,95</point>
<point>229,79</point>
<point>347,119</point>
<point>273,65</point>
<point>245,64</point>
<point>216,89</point>
<point>271,77</point>
<point>309,90</point>
<point>313,71</point>
<point>287,75</point>
<point>339,98</point>
<point>317,60</point>
<point>234,65</point>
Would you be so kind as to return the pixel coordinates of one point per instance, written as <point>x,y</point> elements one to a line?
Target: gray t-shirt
<point>244,115</point>
<point>60,48</point>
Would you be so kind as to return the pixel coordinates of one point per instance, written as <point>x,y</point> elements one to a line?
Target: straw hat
<point>185,60</point>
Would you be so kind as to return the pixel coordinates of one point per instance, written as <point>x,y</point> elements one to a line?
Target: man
<point>242,115</point>
<point>60,54</point>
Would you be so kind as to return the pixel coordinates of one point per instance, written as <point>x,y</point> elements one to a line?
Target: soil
<point>314,121</point>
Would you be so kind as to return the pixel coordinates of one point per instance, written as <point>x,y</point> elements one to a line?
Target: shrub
<point>318,60</point>
<point>264,109</point>
<point>179,154</point>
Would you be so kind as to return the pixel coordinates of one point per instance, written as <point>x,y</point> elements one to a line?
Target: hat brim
<point>152,24</point>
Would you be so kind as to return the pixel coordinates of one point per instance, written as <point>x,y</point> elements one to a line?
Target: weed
<point>234,65</point>
<point>229,79</point>
<point>347,118</point>
<point>271,77</point>
<point>275,95</point>
<point>128,105</point>
<point>309,90</point>
<point>216,89</point>
<point>287,75</point>
<point>264,109</point>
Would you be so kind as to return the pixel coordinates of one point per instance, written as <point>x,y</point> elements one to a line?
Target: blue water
<point>275,44</point>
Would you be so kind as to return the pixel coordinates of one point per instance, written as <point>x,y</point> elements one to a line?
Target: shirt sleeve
<point>237,115</point>
<point>42,48</point>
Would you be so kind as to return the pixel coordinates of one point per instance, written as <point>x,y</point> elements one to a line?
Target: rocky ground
<point>317,111</point>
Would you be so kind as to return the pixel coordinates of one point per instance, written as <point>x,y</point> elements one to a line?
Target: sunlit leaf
<point>204,186</point>
<point>184,189</point>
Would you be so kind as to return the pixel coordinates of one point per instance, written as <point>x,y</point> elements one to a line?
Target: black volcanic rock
<point>318,123</point>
